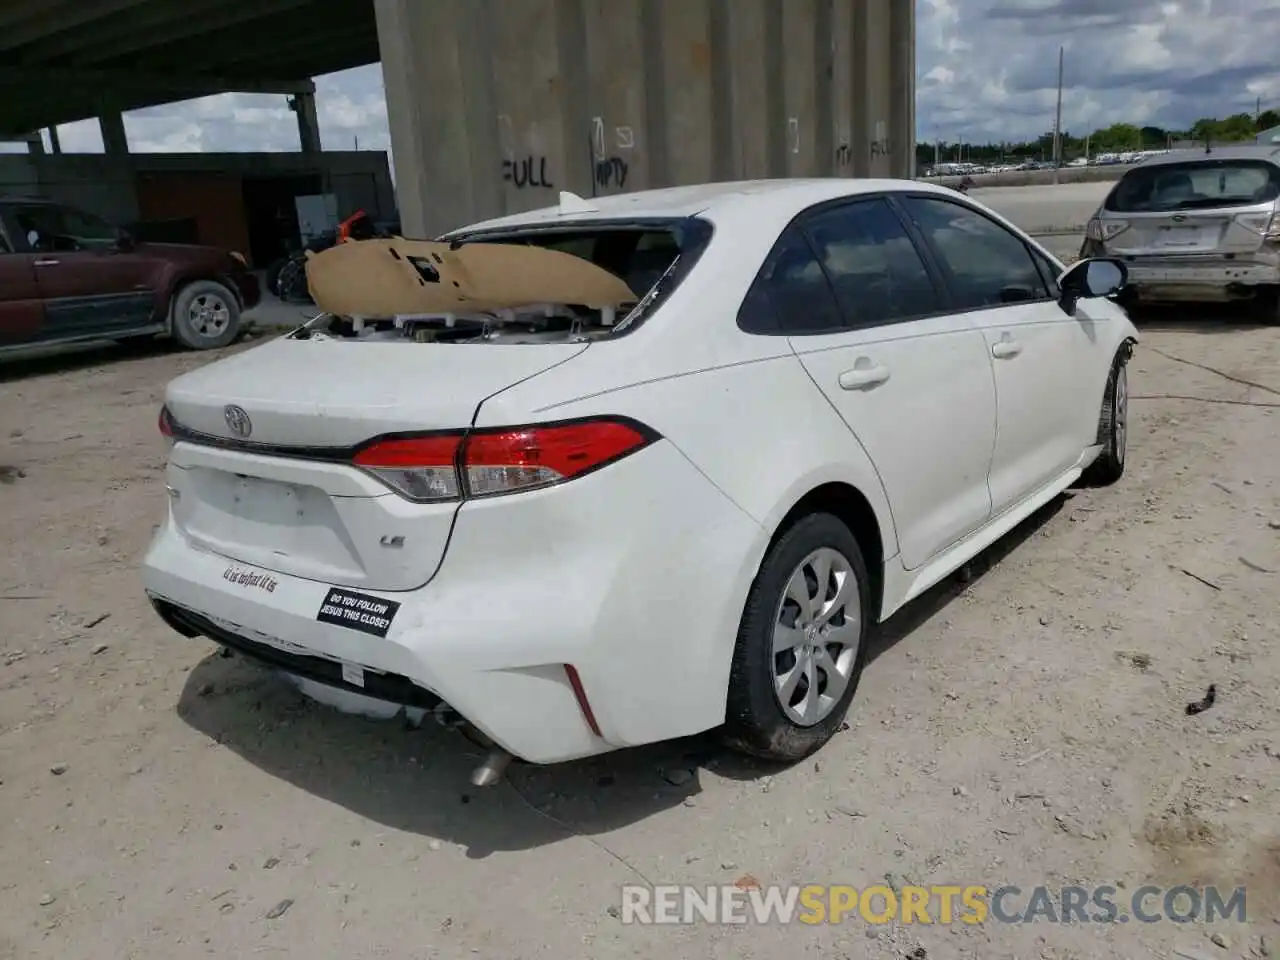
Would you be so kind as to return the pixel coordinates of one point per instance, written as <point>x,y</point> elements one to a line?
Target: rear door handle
<point>1006,348</point>
<point>863,375</point>
<point>47,263</point>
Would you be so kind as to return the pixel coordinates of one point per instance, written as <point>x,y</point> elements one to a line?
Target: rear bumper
<point>1200,278</point>
<point>635,575</point>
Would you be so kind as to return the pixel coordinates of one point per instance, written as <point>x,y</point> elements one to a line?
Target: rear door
<point>1042,357</point>
<point>90,285</point>
<point>21,310</point>
<point>867,320</point>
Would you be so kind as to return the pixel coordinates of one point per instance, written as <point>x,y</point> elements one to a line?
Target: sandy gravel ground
<point>1025,725</point>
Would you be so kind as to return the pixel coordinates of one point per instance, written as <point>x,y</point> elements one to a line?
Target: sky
<point>987,73</point>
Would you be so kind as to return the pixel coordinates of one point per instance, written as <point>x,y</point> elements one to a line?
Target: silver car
<point>1192,225</point>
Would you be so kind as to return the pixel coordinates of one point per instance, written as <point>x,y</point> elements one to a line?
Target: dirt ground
<point>1023,725</point>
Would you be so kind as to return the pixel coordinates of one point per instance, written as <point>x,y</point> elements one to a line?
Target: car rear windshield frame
<point>1122,198</point>
<point>692,235</point>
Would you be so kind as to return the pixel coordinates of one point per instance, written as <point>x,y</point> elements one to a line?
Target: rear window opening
<point>650,257</point>
<point>1196,184</point>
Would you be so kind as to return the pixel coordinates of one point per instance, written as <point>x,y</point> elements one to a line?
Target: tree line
<point>1117,138</point>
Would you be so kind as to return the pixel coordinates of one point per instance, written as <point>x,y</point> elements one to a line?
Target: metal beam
<point>315,48</point>
<point>155,27</point>
<point>51,21</point>
<point>62,80</point>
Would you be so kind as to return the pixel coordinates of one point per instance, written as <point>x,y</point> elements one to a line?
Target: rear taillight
<point>490,462</point>
<point>1266,225</point>
<point>165,423</point>
<point>1100,230</point>
<point>422,469</point>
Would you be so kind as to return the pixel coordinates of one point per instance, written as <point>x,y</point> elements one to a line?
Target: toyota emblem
<point>237,420</point>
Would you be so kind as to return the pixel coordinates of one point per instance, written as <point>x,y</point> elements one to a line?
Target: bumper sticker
<point>358,611</point>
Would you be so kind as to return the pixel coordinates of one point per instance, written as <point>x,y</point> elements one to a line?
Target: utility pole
<point>1257,113</point>
<point>1057,122</point>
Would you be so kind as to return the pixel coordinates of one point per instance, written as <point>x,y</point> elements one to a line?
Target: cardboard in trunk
<point>385,278</point>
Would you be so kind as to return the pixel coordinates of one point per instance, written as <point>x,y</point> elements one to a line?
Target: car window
<point>1050,271</point>
<point>791,294</point>
<point>987,265</point>
<point>872,263</point>
<point>64,228</point>
<point>1198,183</point>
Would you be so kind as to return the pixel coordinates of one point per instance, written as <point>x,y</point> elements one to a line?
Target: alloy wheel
<point>816,635</point>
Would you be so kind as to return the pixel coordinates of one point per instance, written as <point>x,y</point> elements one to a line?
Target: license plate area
<point>1183,238</point>
<point>283,527</point>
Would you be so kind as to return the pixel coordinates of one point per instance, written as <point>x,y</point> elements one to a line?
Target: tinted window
<point>987,265</point>
<point>1049,272</point>
<point>791,294</point>
<point>873,265</point>
<point>1202,183</point>
<point>63,228</point>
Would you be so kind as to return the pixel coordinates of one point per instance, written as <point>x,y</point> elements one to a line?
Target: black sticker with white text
<point>358,611</point>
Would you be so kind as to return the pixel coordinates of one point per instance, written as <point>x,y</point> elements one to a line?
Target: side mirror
<point>1099,277</point>
<point>125,240</point>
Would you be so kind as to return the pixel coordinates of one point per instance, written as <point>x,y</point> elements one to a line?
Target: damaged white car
<point>628,469</point>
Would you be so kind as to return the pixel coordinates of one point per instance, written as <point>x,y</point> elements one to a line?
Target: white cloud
<point>1152,62</point>
<point>987,68</point>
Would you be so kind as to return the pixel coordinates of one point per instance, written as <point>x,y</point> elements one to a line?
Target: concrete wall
<point>1033,178</point>
<point>107,185</point>
<point>497,105</point>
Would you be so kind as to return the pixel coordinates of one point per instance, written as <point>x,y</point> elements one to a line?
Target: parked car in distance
<point>68,276</point>
<point>1196,226</point>
<point>586,528</point>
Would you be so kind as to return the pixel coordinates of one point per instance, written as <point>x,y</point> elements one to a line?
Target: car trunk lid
<point>264,477</point>
<point>1189,232</point>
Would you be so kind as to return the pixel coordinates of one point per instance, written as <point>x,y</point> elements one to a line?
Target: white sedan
<point>587,519</point>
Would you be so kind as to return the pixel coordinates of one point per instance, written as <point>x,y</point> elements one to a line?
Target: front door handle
<point>47,263</point>
<point>863,375</point>
<point>1006,348</point>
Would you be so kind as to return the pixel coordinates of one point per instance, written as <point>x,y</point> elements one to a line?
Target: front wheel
<point>1113,427</point>
<point>206,315</point>
<point>801,643</point>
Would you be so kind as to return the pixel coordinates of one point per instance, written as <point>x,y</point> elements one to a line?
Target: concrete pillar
<point>114,140</point>
<point>54,144</point>
<point>304,107</point>
<point>496,106</point>
<point>902,86</point>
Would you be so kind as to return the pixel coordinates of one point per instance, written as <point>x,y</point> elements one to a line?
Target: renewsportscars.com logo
<point>748,902</point>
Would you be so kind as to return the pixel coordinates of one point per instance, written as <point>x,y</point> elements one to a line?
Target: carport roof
<point>66,60</point>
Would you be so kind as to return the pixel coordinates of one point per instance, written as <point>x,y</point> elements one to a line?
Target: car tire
<point>1266,306</point>
<point>778,705</point>
<point>1113,427</point>
<point>205,315</point>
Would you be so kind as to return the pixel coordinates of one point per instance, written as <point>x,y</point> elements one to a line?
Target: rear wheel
<point>206,315</point>
<point>801,643</point>
<point>1266,305</point>
<point>1113,427</point>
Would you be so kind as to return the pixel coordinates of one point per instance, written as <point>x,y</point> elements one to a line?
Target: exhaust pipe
<point>490,772</point>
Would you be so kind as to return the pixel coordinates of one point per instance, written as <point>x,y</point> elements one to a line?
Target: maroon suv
<point>66,275</point>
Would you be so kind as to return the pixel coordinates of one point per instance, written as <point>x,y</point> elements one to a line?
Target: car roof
<point>707,199</point>
<point>1235,151</point>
